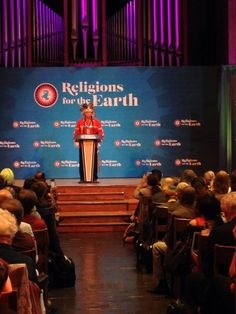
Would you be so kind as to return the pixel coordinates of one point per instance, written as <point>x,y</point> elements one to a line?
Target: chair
<point>30,253</point>
<point>10,298</point>
<point>222,258</point>
<point>143,218</point>
<point>179,226</point>
<point>42,240</point>
<point>160,222</point>
<point>198,249</point>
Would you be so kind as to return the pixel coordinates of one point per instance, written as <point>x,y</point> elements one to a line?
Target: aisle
<point>107,280</point>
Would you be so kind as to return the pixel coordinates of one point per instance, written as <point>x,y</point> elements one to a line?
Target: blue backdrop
<point>152,117</point>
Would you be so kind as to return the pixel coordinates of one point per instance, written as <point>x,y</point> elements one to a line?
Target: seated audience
<point>8,229</point>
<point>197,284</point>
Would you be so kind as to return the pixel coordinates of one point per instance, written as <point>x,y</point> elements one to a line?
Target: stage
<point>94,207</point>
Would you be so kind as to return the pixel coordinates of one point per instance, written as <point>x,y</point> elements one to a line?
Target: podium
<point>88,156</point>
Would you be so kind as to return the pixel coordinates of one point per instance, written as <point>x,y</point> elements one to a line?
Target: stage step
<point>95,208</point>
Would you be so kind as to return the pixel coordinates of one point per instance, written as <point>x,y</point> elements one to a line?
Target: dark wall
<point>207,32</point>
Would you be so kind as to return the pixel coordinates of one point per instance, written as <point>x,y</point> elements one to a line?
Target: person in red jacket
<point>88,125</point>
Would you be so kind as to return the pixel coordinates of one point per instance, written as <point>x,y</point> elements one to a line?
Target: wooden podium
<point>88,156</point>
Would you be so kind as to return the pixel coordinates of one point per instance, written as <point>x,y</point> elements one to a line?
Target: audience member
<point>8,229</point>
<point>209,177</point>
<point>47,213</point>
<point>208,214</point>
<point>187,176</point>
<point>221,184</point>
<point>22,241</point>
<point>29,200</point>
<point>159,249</point>
<point>9,177</point>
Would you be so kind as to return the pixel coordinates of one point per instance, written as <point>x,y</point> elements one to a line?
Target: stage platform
<point>94,207</point>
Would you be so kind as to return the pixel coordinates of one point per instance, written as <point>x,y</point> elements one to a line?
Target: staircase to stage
<point>95,207</point>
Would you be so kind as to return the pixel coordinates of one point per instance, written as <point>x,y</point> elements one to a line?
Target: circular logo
<point>117,143</point>
<point>36,144</point>
<point>177,123</point>
<point>56,124</point>
<point>138,162</point>
<point>157,143</point>
<point>137,123</point>
<point>16,164</point>
<point>45,95</point>
<point>57,164</point>
<point>15,124</point>
<point>178,162</point>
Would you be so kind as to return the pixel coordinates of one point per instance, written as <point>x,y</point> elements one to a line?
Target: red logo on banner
<point>157,143</point>
<point>117,143</point>
<point>177,122</point>
<point>178,162</point>
<point>137,123</point>
<point>138,162</point>
<point>56,124</point>
<point>16,164</point>
<point>46,95</point>
<point>15,124</point>
<point>36,144</point>
<point>57,164</point>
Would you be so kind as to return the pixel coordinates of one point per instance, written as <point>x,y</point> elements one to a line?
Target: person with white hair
<point>8,229</point>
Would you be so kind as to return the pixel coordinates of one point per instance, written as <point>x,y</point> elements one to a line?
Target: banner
<point>153,117</point>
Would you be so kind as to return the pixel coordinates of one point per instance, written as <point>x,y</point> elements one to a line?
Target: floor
<point>107,279</point>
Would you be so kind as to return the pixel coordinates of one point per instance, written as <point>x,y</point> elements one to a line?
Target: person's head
<point>187,176</point>
<point>188,196</point>
<point>180,187</point>
<point>228,205</point>
<point>233,181</point>
<point>15,207</point>
<point>200,187</point>
<point>5,194</point>
<point>209,177</point>
<point>28,182</point>
<point>40,188</point>
<point>168,184</point>
<point>209,207</point>
<point>158,173</point>
<point>3,273</point>
<point>8,226</point>
<point>221,183</point>
<point>87,110</point>
<point>28,199</point>
<point>39,175</point>
<point>8,175</point>
<point>152,180</point>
